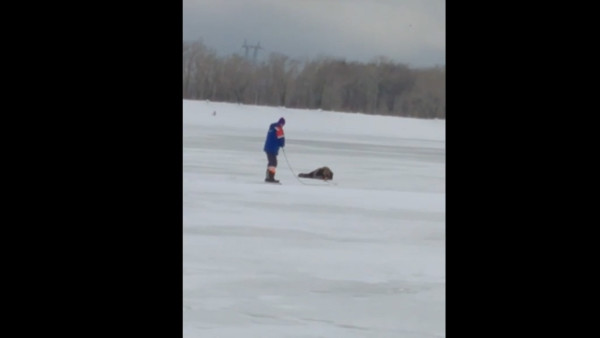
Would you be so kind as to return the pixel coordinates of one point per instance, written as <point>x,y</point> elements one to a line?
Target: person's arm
<point>280,137</point>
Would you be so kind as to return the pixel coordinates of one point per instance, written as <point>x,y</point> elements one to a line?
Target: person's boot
<point>271,177</point>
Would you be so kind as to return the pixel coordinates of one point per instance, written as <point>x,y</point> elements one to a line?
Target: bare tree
<point>190,51</point>
<point>381,86</point>
<point>237,77</point>
<point>427,98</point>
<point>281,72</point>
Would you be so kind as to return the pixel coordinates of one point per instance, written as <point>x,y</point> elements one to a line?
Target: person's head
<point>281,122</point>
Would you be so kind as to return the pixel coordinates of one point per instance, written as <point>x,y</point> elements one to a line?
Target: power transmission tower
<point>246,47</point>
<point>256,48</point>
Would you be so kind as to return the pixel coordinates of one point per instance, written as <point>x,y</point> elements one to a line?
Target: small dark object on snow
<point>323,173</point>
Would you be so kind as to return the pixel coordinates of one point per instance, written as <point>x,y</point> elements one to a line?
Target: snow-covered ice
<point>360,256</point>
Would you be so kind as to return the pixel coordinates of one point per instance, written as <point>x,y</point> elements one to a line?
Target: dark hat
<point>281,121</point>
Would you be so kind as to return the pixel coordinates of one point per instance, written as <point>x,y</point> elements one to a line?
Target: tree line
<point>381,87</point>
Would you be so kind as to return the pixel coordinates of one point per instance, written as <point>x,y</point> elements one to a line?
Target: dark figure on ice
<point>275,139</point>
<point>323,173</point>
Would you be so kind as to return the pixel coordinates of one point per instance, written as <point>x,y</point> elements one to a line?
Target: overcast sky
<point>406,31</point>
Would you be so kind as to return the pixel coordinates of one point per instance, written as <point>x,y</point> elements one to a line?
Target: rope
<point>293,173</point>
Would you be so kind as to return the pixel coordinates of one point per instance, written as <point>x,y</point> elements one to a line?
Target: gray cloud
<point>408,31</point>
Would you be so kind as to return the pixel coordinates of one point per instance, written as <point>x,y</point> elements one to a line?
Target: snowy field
<point>360,256</point>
